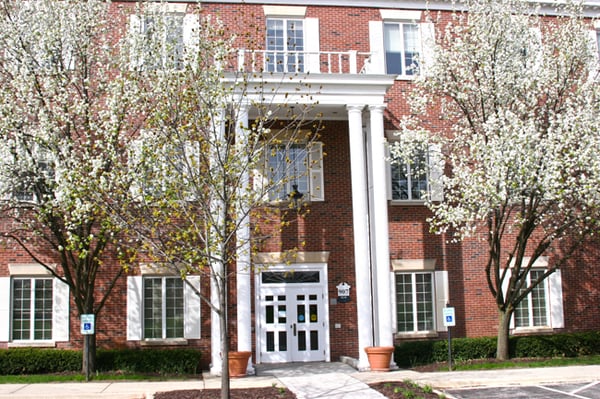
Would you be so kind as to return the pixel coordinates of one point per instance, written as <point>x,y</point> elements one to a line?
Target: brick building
<point>366,234</point>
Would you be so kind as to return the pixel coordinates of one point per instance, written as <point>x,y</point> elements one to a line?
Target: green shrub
<point>42,361</point>
<point>416,353</point>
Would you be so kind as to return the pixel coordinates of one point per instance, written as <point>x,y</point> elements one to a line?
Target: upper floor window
<point>293,168</point>
<point>162,39</point>
<point>409,180</point>
<point>31,309</point>
<point>401,43</point>
<point>285,45</point>
<point>417,180</point>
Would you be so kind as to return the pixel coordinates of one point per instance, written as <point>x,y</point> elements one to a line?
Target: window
<point>294,167</point>
<point>409,181</point>
<point>418,180</point>
<point>33,183</point>
<point>285,45</point>
<point>401,44</point>
<point>533,309</point>
<point>415,308</point>
<point>163,307</point>
<point>31,309</point>
<point>161,40</point>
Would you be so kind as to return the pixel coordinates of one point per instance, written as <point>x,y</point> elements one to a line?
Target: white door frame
<point>293,288</point>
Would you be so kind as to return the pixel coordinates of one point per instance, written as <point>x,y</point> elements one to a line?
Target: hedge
<point>416,353</point>
<point>42,361</point>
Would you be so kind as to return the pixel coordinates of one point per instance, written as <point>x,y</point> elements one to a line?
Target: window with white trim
<point>294,168</point>
<point>415,306</point>
<point>163,307</point>
<point>285,45</point>
<point>533,310</point>
<point>31,309</point>
<point>417,180</point>
<point>402,42</point>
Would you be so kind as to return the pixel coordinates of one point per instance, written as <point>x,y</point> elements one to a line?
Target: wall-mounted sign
<point>343,292</point>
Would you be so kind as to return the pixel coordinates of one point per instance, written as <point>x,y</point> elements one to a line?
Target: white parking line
<point>591,384</point>
<point>572,394</point>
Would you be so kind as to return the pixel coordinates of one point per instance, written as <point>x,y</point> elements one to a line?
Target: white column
<point>243,270</point>
<point>380,232</point>
<point>360,220</point>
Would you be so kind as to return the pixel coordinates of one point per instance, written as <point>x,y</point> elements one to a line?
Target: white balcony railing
<point>327,62</point>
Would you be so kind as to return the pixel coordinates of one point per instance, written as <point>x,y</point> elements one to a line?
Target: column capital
<point>377,107</point>
<point>355,107</point>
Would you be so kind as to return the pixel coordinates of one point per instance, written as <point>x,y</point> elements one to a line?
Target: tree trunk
<point>502,352</point>
<point>89,355</point>
<point>225,388</point>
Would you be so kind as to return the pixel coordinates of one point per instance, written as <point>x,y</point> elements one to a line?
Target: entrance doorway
<point>292,323</point>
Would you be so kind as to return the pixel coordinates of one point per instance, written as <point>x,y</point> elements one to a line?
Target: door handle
<point>294,327</point>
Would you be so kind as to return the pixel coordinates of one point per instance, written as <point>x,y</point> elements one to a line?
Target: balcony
<point>303,62</point>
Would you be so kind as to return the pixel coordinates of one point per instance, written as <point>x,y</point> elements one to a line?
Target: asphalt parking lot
<point>589,390</point>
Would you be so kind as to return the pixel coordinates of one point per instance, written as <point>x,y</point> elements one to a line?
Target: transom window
<point>31,309</point>
<point>533,309</point>
<point>163,307</point>
<point>401,43</point>
<point>414,302</point>
<point>409,180</point>
<point>285,45</point>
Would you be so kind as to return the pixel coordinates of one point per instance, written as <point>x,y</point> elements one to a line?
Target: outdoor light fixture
<point>296,197</point>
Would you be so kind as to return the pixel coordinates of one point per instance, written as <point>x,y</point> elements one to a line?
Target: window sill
<point>532,330</point>
<point>32,344</point>
<point>407,202</point>
<point>416,335</point>
<point>164,342</point>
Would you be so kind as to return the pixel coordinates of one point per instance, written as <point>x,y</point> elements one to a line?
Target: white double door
<point>293,325</point>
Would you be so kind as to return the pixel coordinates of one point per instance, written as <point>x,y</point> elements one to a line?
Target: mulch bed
<point>246,393</point>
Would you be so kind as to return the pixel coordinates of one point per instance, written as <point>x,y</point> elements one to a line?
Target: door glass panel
<point>281,297</point>
<point>269,314</point>
<point>313,314</point>
<point>301,340</point>
<point>282,341</point>
<point>312,297</point>
<point>314,340</point>
<point>281,314</point>
<point>300,297</point>
<point>270,341</point>
<point>301,314</point>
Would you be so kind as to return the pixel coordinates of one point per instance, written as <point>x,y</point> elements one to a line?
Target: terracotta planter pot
<point>379,357</point>
<point>238,363</point>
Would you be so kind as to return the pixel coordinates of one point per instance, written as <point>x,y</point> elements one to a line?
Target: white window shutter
<point>436,173</point>
<point>134,308</point>
<point>191,308</point>
<point>136,58</point>
<point>557,318</point>
<point>60,311</point>
<point>505,290</point>
<point>595,50</point>
<point>441,298</point>
<point>427,46</point>
<point>191,36</point>
<point>312,48</point>
<point>5,309</point>
<point>388,173</point>
<point>260,177</point>
<point>377,61</point>
<point>394,302</point>
<point>315,160</point>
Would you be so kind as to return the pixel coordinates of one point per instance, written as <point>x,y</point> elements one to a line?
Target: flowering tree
<point>69,108</point>
<point>520,98</point>
<point>219,146</point>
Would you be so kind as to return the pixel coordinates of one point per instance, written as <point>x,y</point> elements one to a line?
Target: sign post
<point>88,328</point>
<point>449,321</point>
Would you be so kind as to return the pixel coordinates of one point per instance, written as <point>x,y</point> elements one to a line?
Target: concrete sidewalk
<point>334,381</point>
